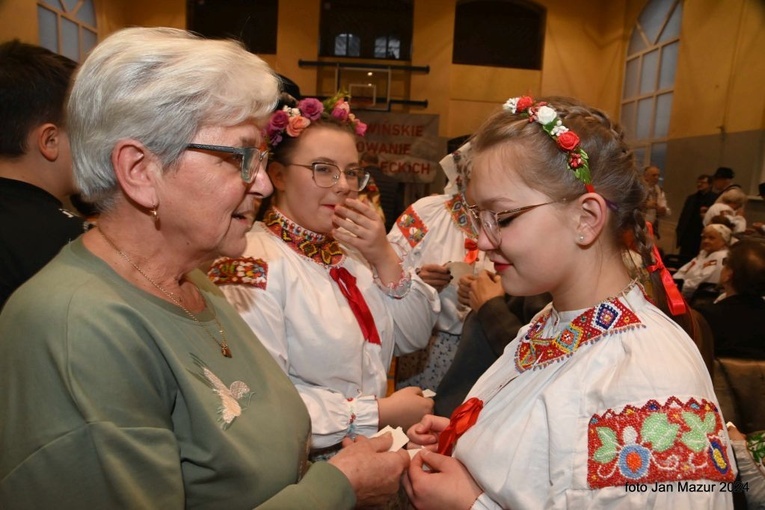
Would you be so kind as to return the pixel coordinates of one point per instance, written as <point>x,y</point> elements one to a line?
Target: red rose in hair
<point>523,103</point>
<point>568,141</point>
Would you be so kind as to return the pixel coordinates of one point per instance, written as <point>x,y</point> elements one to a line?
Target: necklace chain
<point>223,344</point>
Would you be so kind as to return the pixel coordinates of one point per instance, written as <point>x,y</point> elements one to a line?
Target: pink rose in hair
<point>361,128</point>
<point>296,125</point>
<point>341,110</point>
<point>523,103</point>
<point>311,108</point>
<point>278,121</point>
<point>568,141</point>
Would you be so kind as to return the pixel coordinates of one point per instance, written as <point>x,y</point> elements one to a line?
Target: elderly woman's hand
<point>374,473</point>
<point>359,226</point>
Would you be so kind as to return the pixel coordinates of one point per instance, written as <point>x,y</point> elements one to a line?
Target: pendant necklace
<point>223,344</point>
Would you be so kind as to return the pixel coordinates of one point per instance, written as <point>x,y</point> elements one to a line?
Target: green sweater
<point>113,398</point>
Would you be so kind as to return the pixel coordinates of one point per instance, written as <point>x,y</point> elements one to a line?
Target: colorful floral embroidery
<point>320,248</point>
<point>609,317</point>
<point>459,212</point>
<point>240,271</point>
<point>230,396</point>
<point>413,228</point>
<point>657,443</point>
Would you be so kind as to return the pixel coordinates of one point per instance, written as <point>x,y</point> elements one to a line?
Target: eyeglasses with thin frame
<point>492,222</point>
<point>326,175</point>
<point>251,159</point>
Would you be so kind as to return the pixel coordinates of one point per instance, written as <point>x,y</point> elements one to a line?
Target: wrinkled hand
<point>463,289</point>
<point>426,432</point>
<point>485,287</point>
<point>435,275</point>
<point>373,471</point>
<point>404,408</point>
<point>448,484</point>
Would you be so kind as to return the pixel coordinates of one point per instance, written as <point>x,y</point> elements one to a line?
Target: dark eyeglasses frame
<point>247,156</point>
<point>363,181</point>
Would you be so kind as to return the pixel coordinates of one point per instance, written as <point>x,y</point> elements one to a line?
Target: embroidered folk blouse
<point>606,411</point>
<point>704,268</point>
<point>282,288</point>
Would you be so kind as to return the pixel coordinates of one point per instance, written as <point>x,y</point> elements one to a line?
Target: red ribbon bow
<point>675,299</point>
<point>347,283</point>
<point>462,419</point>
<point>472,250</point>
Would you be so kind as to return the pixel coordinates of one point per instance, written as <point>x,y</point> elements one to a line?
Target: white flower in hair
<point>510,104</point>
<point>545,115</point>
<point>558,129</point>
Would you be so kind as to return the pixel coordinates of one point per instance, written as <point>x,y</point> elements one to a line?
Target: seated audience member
<point>35,163</point>
<point>706,266</point>
<point>738,320</point>
<point>435,236</point>
<point>322,287</point>
<point>126,378</point>
<point>689,225</point>
<point>602,390</point>
<point>730,204</point>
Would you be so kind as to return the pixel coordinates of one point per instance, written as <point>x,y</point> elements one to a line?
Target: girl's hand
<point>427,431</point>
<point>486,286</point>
<point>358,226</point>
<point>435,275</point>
<point>447,484</point>
<point>403,408</point>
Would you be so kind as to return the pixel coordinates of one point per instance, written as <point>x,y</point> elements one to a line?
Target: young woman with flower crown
<point>602,401</point>
<point>321,286</point>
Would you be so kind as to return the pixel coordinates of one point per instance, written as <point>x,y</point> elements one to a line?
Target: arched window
<point>649,80</point>
<point>67,27</point>
<point>499,33</point>
<point>347,45</point>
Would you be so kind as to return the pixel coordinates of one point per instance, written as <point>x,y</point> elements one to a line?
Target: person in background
<point>705,267</point>
<point>126,379</point>
<point>321,286</point>
<point>35,162</point>
<point>656,202</point>
<point>435,237</point>
<point>759,227</point>
<point>731,204</point>
<point>721,180</point>
<point>736,320</point>
<point>689,225</point>
<point>390,189</point>
<point>601,389</point>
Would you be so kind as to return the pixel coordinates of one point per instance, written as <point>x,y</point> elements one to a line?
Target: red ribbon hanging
<point>472,250</point>
<point>675,299</point>
<point>462,419</point>
<point>347,283</point>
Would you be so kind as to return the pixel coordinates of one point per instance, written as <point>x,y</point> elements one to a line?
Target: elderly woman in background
<point>126,380</point>
<point>706,266</point>
<point>731,205</point>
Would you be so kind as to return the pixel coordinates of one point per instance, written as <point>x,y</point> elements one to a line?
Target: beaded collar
<point>610,316</point>
<point>320,248</point>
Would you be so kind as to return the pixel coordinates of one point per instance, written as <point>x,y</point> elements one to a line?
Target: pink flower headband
<point>567,141</point>
<point>291,121</point>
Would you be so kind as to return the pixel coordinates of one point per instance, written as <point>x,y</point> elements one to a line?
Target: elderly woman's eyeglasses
<point>492,222</point>
<point>326,175</point>
<point>251,159</point>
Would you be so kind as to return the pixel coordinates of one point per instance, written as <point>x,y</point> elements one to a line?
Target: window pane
<point>659,155</point>
<point>644,118</point>
<point>89,41</point>
<point>628,120</point>
<point>354,46</point>
<point>652,18</point>
<point>668,65</point>
<point>381,47</point>
<point>663,113</point>
<point>48,27</point>
<point>341,45</point>
<point>631,78</point>
<point>70,43</point>
<point>87,14</point>
<point>672,30</point>
<point>394,48</point>
<point>648,73</point>
<point>637,42</point>
<point>69,5</point>
<point>640,160</point>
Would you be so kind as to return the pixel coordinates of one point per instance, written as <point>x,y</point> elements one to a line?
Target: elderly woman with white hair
<point>126,379</point>
<point>731,205</point>
<point>706,266</point>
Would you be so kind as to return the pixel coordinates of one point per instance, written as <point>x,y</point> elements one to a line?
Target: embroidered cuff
<point>396,290</point>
